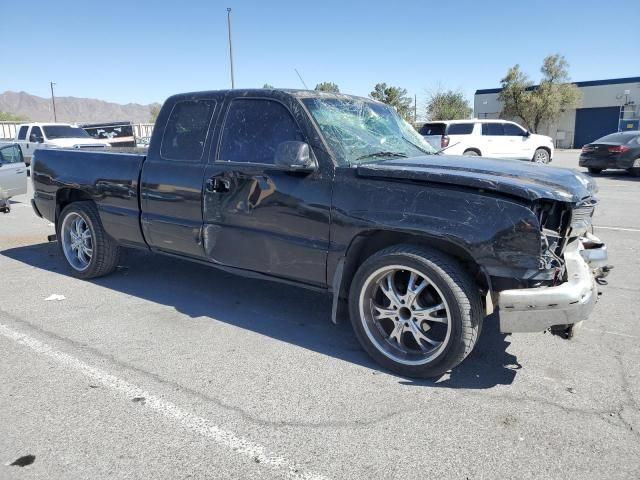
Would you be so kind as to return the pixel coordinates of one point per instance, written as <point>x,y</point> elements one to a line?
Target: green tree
<point>11,117</point>
<point>448,105</point>
<point>395,96</point>
<point>268,86</point>
<point>540,104</point>
<point>327,87</point>
<point>155,110</point>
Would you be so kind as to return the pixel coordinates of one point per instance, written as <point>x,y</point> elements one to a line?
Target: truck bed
<point>111,180</point>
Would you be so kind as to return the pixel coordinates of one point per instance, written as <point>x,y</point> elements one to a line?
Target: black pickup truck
<point>337,193</point>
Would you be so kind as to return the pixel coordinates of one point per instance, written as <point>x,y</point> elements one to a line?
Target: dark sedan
<point>617,150</point>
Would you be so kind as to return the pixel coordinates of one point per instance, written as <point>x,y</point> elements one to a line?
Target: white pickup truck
<point>34,136</point>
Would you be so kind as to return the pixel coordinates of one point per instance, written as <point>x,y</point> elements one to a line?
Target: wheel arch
<point>368,243</point>
<point>542,147</point>
<point>68,195</point>
<point>473,149</point>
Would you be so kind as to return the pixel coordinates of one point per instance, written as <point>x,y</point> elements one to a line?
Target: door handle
<point>18,172</point>
<point>218,185</point>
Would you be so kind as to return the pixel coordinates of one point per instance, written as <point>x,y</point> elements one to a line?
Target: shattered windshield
<point>360,131</point>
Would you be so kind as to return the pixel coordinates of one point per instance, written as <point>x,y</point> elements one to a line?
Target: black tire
<point>471,153</point>
<point>634,171</point>
<point>595,171</point>
<point>541,156</point>
<point>106,251</point>
<point>458,290</point>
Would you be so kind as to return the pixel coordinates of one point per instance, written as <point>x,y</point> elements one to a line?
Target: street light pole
<point>53,102</point>
<point>230,46</point>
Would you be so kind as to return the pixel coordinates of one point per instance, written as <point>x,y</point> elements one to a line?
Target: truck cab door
<point>33,141</point>
<point>171,178</point>
<point>259,216</point>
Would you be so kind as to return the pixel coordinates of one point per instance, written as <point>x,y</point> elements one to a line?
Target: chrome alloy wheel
<point>405,315</point>
<point>541,156</point>
<point>77,241</point>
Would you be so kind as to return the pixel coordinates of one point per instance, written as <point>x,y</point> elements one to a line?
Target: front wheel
<point>416,311</point>
<point>85,245</point>
<point>541,156</point>
<point>471,153</point>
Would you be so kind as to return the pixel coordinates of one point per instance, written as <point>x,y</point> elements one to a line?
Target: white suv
<point>488,138</point>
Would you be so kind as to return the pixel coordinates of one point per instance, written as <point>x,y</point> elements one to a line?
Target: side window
<point>11,154</point>
<point>36,134</point>
<point>460,129</point>
<point>513,130</point>
<point>432,129</point>
<point>253,129</point>
<point>186,131</point>
<point>22,133</point>
<point>492,129</point>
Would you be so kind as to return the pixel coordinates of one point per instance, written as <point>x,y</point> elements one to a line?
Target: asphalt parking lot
<point>167,369</point>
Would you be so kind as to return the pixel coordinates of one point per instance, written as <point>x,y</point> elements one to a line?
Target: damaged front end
<point>574,261</point>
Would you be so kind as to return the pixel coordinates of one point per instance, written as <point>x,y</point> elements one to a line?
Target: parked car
<point>488,138</point>
<point>617,150</point>
<point>35,136</point>
<point>13,174</point>
<point>336,193</point>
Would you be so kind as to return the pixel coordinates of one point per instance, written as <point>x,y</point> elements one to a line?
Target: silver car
<point>13,174</point>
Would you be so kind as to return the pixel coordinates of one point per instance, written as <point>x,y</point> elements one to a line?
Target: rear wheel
<point>416,311</point>
<point>541,156</point>
<point>635,169</point>
<point>86,247</point>
<point>595,170</point>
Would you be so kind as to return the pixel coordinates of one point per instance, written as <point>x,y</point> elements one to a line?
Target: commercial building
<point>607,106</point>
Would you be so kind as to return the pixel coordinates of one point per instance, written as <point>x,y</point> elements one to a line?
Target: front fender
<point>500,234</point>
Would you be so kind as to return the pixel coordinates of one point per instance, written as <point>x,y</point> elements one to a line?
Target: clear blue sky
<point>144,51</point>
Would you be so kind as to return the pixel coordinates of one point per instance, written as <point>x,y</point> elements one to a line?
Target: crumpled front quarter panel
<point>497,232</point>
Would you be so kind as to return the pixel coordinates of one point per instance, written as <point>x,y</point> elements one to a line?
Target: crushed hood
<point>530,181</point>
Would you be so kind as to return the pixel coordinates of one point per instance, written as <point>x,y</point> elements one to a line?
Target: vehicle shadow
<point>286,313</point>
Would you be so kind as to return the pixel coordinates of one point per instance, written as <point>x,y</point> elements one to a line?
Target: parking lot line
<point>254,451</point>
<point>621,229</point>
<point>610,333</point>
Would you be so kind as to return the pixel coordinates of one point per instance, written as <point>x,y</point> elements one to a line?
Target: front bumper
<point>537,309</point>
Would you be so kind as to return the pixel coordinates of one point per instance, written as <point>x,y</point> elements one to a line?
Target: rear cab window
<point>460,129</point>
<point>186,131</point>
<point>433,129</point>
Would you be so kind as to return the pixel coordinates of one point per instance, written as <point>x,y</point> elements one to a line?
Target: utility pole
<point>233,85</point>
<point>53,102</point>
